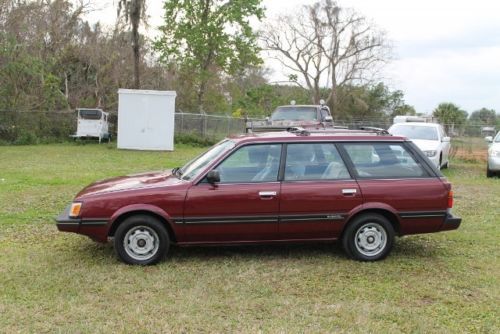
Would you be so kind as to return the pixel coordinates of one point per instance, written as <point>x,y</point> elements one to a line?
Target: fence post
<point>182,122</point>
<point>204,125</point>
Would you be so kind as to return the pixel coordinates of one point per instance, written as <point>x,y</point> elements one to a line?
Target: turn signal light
<point>450,199</point>
<point>75,210</point>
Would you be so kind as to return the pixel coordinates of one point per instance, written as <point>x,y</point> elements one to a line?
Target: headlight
<point>74,212</point>
<point>430,154</point>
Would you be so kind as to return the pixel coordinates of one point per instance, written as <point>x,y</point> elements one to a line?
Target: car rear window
<point>384,160</point>
<point>294,114</point>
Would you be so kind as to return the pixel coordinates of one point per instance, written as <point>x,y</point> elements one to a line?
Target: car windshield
<point>415,131</point>
<point>294,114</point>
<point>497,138</point>
<point>195,166</point>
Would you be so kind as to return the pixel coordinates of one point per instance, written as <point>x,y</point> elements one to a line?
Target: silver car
<point>430,138</point>
<point>493,166</point>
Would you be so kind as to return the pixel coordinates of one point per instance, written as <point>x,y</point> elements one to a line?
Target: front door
<point>244,206</point>
<point>317,192</point>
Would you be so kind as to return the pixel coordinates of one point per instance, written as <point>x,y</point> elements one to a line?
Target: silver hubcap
<point>370,239</point>
<point>141,243</point>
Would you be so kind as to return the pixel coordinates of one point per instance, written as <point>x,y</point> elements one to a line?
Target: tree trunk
<point>66,86</point>
<point>135,47</point>
<point>201,94</point>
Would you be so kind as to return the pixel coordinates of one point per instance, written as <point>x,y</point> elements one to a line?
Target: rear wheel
<point>368,237</point>
<point>141,240</point>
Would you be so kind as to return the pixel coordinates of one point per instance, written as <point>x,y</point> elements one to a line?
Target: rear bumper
<point>451,222</point>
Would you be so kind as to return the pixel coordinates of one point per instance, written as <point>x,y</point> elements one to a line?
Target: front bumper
<point>435,160</point>
<point>67,224</point>
<point>451,222</point>
<point>494,163</point>
<point>95,228</point>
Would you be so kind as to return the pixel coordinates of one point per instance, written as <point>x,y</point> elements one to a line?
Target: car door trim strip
<point>260,219</point>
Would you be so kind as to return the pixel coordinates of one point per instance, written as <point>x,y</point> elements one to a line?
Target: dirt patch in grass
<point>469,149</point>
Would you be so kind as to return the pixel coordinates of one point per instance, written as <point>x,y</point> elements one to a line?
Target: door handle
<point>267,194</point>
<point>349,192</point>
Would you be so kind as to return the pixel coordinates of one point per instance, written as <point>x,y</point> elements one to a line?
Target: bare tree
<point>134,11</point>
<point>326,45</point>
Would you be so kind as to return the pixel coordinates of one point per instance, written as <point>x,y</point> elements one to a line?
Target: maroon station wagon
<point>362,187</point>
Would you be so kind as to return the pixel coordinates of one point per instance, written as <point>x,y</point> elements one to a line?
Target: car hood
<point>426,145</point>
<point>130,182</point>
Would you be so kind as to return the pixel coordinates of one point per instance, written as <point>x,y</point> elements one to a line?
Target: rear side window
<point>314,161</point>
<point>384,160</point>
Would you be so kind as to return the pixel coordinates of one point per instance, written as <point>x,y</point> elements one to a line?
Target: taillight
<point>450,199</point>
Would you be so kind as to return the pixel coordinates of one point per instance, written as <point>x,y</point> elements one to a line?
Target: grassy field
<point>57,282</point>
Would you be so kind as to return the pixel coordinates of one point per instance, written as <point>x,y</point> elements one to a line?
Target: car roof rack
<point>299,131</point>
<point>374,129</point>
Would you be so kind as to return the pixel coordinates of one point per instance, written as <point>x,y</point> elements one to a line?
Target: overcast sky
<point>444,50</point>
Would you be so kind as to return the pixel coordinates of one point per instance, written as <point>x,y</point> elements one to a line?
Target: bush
<point>194,140</point>
<point>26,138</point>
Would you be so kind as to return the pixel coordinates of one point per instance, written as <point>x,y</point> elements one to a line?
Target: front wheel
<point>141,240</point>
<point>489,172</point>
<point>369,237</point>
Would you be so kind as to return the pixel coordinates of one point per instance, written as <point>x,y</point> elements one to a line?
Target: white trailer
<point>92,123</point>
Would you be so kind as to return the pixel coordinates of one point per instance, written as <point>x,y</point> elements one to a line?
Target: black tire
<point>365,230</point>
<point>147,240</point>
<point>489,173</point>
<point>446,165</point>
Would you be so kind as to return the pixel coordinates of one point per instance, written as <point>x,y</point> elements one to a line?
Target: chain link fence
<point>28,127</point>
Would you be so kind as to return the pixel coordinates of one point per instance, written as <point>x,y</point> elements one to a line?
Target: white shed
<point>146,119</point>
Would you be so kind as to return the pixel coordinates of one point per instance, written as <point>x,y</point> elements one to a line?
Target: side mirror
<point>328,119</point>
<point>213,176</point>
<point>488,139</point>
<point>445,139</point>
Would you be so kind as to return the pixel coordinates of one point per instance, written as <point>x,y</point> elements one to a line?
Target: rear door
<point>317,192</point>
<point>389,173</point>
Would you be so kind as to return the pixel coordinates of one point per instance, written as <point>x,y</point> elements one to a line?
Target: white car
<point>493,166</point>
<point>429,137</point>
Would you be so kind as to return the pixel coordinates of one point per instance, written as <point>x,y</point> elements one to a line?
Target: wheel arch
<point>149,210</point>
<point>388,213</point>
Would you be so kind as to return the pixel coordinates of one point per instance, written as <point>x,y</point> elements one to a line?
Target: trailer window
<point>90,114</point>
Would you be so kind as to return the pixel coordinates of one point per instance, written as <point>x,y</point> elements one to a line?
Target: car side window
<point>314,161</point>
<point>384,160</point>
<point>251,163</point>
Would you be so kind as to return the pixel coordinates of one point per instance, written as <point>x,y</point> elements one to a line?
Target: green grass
<point>58,282</point>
